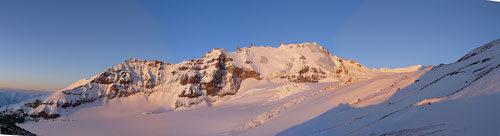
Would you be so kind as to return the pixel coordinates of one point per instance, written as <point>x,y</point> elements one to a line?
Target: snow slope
<point>454,99</point>
<point>295,89</point>
<point>259,84</point>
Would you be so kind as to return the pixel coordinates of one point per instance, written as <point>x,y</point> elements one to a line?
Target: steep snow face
<point>13,96</point>
<point>451,99</point>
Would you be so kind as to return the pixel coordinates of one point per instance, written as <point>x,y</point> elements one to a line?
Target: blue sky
<point>50,44</point>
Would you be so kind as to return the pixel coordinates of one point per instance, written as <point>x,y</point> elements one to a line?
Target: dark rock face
<point>12,129</point>
<point>76,103</point>
<point>104,78</point>
<point>213,87</point>
<point>8,123</point>
<point>224,75</point>
<point>34,104</point>
<point>242,73</point>
<point>194,79</point>
<point>306,75</point>
<point>184,79</point>
<point>189,94</point>
<point>44,115</point>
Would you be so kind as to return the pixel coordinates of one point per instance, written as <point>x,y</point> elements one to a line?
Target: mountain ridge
<point>217,73</point>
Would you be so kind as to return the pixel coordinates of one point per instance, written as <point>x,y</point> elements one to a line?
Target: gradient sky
<point>49,44</point>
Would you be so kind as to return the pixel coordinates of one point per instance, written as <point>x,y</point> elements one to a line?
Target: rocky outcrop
<point>306,75</point>
<point>8,120</point>
<point>210,74</point>
<point>12,129</point>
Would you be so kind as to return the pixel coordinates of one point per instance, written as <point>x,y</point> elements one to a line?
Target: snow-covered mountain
<point>12,96</point>
<point>200,81</point>
<point>294,89</point>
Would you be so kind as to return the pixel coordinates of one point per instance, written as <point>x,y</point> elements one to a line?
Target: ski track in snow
<point>380,92</point>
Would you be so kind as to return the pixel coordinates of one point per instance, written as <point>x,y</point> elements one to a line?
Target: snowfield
<point>295,89</point>
<point>259,108</point>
